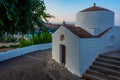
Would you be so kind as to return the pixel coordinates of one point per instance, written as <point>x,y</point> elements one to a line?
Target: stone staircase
<point>105,67</point>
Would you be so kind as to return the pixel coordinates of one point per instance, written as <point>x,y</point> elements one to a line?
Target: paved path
<point>35,66</point>
<point>8,44</point>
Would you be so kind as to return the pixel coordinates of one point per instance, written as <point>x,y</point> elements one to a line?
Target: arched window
<point>62,37</point>
<point>111,40</point>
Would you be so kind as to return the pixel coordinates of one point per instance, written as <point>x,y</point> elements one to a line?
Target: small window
<point>111,41</point>
<point>62,37</point>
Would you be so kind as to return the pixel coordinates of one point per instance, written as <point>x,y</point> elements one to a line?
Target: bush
<point>23,43</point>
<point>1,47</point>
<point>45,37</point>
<point>1,39</point>
<point>14,46</point>
<point>8,39</point>
<point>35,39</point>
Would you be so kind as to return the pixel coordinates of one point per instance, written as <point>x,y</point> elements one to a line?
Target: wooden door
<point>63,54</point>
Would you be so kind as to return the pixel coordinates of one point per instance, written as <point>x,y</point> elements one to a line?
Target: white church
<point>78,46</point>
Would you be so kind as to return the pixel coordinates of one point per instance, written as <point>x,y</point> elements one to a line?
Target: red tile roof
<point>94,8</point>
<point>83,33</point>
<point>79,32</point>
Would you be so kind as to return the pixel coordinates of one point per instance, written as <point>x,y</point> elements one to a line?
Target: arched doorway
<point>111,40</point>
<point>63,54</point>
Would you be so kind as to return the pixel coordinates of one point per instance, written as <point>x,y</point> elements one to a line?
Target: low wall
<point>21,51</point>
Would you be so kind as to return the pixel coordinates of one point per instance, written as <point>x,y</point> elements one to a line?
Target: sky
<point>65,10</point>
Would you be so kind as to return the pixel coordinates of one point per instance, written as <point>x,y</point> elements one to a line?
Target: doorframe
<point>62,54</point>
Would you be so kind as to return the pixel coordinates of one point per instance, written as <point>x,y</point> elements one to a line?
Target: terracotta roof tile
<point>79,32</point>
<point>83,33</point>
<point>94,8</point>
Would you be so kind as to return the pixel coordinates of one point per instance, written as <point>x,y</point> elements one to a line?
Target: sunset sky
<point>67,9</point>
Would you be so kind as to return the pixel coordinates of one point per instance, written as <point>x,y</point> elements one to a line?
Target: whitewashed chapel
<point>94,33</point>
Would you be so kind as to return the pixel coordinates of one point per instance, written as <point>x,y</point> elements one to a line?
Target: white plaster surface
<point>21,51</point>
<point>72,43</point>
<point>81,52</point>
<point>95,22</point>
<point>90,48</point>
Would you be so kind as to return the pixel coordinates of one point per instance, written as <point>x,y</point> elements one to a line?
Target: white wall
<point>100,20</point>
<point>71,42</point>
<point>21,51</point>
<point>90,48</point>
<point>81,52</point>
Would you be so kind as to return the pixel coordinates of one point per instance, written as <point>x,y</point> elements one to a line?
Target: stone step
<point>107,65</point>
<point>111,77</point>
<point>104,60</point>
<point>92,77</point>
<point>99,74</point>
<point>104,70</point>
<point>105,76</point>
<point>109,57</point>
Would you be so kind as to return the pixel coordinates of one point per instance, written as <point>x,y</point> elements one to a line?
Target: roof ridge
<point>95,8</point>
<point>101,34</point>
<point>80,32</point>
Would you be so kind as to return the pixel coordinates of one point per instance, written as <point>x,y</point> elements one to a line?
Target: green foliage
<point>23,43</point>
<point>36,39</point>
<point>20,16</point>
<point>8,39</point>
<point>45,37</point>
<point>14,46</point>
<point>1,47</point>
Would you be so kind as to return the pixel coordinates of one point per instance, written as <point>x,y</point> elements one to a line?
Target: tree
<point>20,16</point>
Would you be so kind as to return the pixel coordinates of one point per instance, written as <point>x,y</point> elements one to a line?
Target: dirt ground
<point>6,49</point>
<point>34,66</point>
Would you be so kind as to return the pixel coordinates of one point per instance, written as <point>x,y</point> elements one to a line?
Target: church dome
<point>94,8</point>
<point>95,19</point>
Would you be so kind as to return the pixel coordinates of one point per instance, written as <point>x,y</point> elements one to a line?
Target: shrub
<point>35,39</point>
<point>44,37</point>
<point>14,46</point>
<point>23,43</point>
<point>8,39</point>
<point>1,47</point>
<point>1,39</point>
